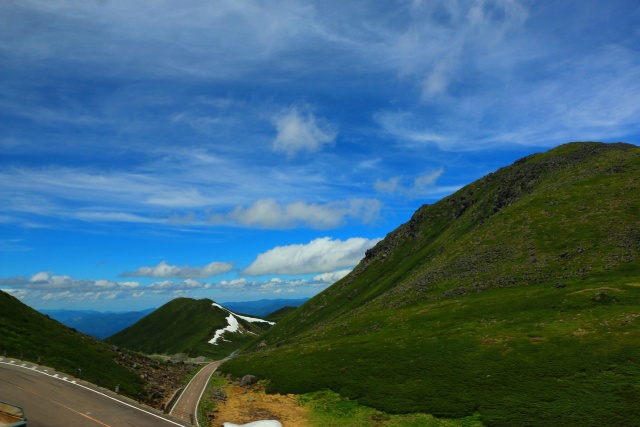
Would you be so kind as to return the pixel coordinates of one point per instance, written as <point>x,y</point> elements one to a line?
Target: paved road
<point>185,407</point>
<point>52,399</point>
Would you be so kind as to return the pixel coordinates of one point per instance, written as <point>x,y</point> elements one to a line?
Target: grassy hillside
<point>263,307</point>
<point>32,336</point>
<point>184,325</point>
<point>280,314</point>
<point>516,297</point>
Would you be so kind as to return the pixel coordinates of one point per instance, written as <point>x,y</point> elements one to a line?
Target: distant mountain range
<point>181,326</point>
<point>516,298</point>
<point>96,323</point>
<point>263,307</point>
<point>104,324</point>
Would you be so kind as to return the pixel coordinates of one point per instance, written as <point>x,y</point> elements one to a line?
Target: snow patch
<point>233,325</point>
<point>248,319</point>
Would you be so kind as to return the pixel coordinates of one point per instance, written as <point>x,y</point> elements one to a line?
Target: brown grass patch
<point>248,404</point>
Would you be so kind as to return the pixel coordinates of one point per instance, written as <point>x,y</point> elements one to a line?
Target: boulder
<point>248,380</point>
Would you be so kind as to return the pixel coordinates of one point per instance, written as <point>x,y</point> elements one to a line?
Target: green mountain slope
<point>516,297</point>
<point>185,325</point>
<point>29,335</point>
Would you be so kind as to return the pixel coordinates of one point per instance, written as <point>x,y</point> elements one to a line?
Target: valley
<point>514,301</point>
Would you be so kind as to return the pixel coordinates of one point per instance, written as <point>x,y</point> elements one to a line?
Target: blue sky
<point>247,150</point>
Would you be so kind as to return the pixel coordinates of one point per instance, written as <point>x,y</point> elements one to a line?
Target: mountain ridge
<point>186,325</point>
<point>510,298</point>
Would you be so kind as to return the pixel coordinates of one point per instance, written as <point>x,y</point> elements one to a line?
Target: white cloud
<point>443,39</point>
<point>45,286</point>
<point>18,293</point>
<point>421,186</point>
<point>47,281</point>
<point>233,284</point>
<point>331,278</point>
<point>268,213</point>
<point>300,132</point>
<point>172,271</point>
<point>318,256</point>
<point>169,286</point>
<point>186,198</point>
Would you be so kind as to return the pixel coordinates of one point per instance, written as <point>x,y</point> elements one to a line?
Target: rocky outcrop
<point>161,379</point>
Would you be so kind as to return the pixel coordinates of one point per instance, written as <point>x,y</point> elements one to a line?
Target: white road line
<point>203,389</point>
<point>97,392</point>
<point>182,395</point>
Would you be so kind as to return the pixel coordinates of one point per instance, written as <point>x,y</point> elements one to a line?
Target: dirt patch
<point>247,404</point>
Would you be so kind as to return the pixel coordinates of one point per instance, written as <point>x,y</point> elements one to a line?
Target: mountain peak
<point>505,298</point>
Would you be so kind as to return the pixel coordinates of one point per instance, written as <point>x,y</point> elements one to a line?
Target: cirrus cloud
<point>421,185</point>
<point>268,213</point>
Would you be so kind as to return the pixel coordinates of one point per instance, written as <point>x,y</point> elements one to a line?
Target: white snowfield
<point>234,326</point>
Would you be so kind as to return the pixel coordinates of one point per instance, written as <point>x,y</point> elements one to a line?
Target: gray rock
<point>248,380</point>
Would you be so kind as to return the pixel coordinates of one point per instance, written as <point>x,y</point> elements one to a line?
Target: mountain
<point>280,314</point>
<point>195,327</point>
<point>32,336</point>
<point>105,324</point>
<point>263,307</point>
<point>96,323</point>
<point>517,298</point>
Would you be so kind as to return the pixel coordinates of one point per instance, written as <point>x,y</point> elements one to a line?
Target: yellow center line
<point>64,406</point>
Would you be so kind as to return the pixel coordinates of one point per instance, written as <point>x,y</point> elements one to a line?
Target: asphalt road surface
<point>187,403</point>
<point>52,399</point>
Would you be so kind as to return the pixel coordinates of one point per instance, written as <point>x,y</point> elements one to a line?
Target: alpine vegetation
<point>515,298</point>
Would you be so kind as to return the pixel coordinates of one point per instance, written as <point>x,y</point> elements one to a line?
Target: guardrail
<point>169,405</point>
<point>185,416</point>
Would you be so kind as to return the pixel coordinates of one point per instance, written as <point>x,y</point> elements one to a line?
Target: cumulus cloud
<point>268,213</point>
<point>172,271</point>
<point>318,256</point>
<point>299,132</point>
<point>421,185</point>
<point>50,282</point>
<point>276,286</point>
<point>330,278</point>
<point>186,285</point>
<point>45,286</point>
<point>233,284</point>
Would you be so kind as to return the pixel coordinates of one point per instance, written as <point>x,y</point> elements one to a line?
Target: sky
<point>246,150</point>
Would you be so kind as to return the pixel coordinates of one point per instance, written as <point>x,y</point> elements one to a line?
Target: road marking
<point>203,388</point>
<point>64,406</point>
<point>191,394</point>
<point>102,394</point>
